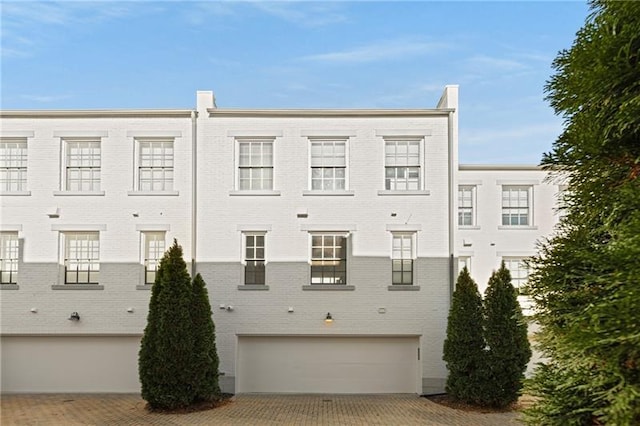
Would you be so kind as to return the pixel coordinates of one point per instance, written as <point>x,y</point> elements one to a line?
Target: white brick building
<point>291,216</point>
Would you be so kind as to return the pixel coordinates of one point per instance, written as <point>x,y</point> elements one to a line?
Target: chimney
<point>205,100</point>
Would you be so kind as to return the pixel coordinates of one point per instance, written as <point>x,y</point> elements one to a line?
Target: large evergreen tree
<point>505,332</point>
<point>586,280</point>
<point>167,345</point>
<point>464,346</point>
<point>205,357</point>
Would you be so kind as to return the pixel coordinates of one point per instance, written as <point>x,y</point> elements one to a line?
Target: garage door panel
<point>327,364</point>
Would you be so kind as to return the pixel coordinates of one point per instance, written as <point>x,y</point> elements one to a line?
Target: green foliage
<point>586,279</point>
<point>205,356</point>
<point>464,346</point>
<point>170,353</point>
<point>505,333</point>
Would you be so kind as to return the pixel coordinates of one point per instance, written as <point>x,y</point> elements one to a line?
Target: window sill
<point>328,193</point>
<point>9,287</point>
<point>403,287</point>
<point>518,228</point>
<point>468,228</point>
<point>78,193</point>
<point>15,193</point>
<point>329,287</point>
<point>144,287</point>
<point>412,192</point>
<point>77,287</point>
<point>265,193</point>
<point>154,193</point>
<point>253,287</point>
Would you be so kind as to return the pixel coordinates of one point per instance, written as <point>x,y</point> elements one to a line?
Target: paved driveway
<point>123,409</point>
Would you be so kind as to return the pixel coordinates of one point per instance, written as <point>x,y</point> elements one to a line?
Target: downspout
<point>194,186</point>
<point>450,206</point>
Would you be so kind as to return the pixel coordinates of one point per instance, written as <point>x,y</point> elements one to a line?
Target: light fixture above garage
<point>328,319</point>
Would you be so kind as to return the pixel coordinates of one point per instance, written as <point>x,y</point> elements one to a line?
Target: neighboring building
<point>328,239</point>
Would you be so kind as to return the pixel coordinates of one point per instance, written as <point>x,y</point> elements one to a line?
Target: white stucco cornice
<point>142,113</point>
<point>490,167</point>
<point>333,113</point>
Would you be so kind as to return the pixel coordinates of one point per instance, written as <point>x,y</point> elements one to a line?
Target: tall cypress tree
<point>586,280</point>
<point>505,332</point>
<point>464,346</point>
<point>165,361</point>
<point>205,357</point>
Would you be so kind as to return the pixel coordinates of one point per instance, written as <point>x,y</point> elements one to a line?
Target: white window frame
<point>151,254</point>
<point>166,168</point>
<point>92,169</point>
<point>239,163</point>
<point>462,207</point>
<point>13,164</point>
<point>419,164</point>
<point>519,272</point>
<point>246,259</point>
<point>400,253</point>
<point>516,211</point>
<point>324,163</point>
<point>334,278</point>
<point>463,261</point>
<point>89,264</point>
<point>9,257</point>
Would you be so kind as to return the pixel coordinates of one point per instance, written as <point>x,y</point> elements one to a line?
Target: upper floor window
<point>81,257</point>
<point>82,165</point>
<point>516,205</point>
<point>8,257</point>
<point>402,259</point>
<point>328,259</point>
<point>13,164</point>
<point>466,205</point>
<point>155,164</point>
<point>328,165</point>
<point>255,164</point>
<point>254,259</point>
<point>154,247</point>
<point>519,273</point>
<point>402,165</point>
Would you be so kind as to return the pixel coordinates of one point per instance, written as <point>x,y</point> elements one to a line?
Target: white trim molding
<point>153,227</point>
<point>82,227</point>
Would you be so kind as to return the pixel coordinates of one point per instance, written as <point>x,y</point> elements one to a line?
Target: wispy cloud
<point>44,99</point>
<point>305,14</point>
<point>510,135</point>
<point>502,64</point>
<point>381,51</point>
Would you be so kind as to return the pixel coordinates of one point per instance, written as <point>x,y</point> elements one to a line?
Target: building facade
<point>329,241</point>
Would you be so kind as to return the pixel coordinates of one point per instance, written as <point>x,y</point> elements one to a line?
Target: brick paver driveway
<point>120,409</point>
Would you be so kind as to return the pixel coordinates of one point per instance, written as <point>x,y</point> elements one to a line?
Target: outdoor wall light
<point>229,308</point>
<point>130,310</point>
<point>34,310</point>
<point>328,319</point>
<point>74,317</point>
<point>290,309</point>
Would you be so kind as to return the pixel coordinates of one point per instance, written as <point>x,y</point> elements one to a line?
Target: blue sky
<point>299,54</point>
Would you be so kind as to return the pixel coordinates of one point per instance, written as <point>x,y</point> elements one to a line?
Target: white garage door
<point>327,364</point>
<point>70,364</point>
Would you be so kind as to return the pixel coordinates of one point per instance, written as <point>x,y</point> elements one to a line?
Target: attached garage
<point>328,364</point>
<point>32,364</point>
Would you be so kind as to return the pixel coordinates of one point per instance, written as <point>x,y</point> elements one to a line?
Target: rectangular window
<point>8,257</point>
<point>328,165</point>
<point>464,261</point>
<point>154,247</point>
<point>81,257</point>
<point>13,164</point>
<point>402,165</point>
<point>155,165</point>
<point>516,205</point>
<point>466,205</point>
<point>402,259</point>
<point>255,165</point>
<point>328,259</point>
<point>519,273</point>
<point>254,259</point>
<point>82,165</point>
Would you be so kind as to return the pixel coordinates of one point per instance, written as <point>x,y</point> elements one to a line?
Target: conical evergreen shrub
<point>167,345</point>
<point>505,332</point>
<point>205,357</point>
<point>464,347</point>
